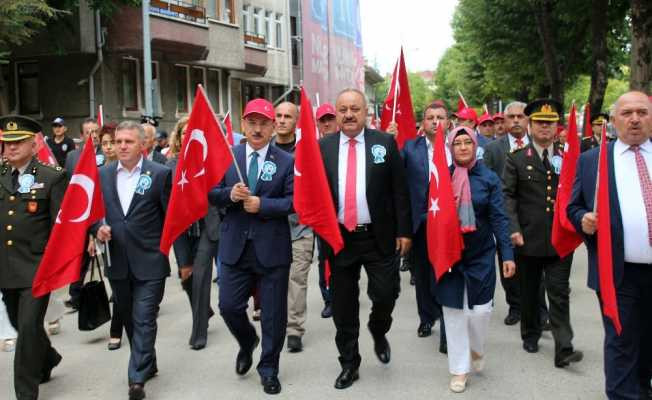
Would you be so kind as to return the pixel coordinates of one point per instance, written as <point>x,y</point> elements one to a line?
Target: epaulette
<point>52,167</point>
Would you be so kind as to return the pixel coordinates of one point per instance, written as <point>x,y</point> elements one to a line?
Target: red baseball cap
<point>498,115</point>
<point>325,109</point>
<point>467,113</point>
<point>259,106</point>
<point>484,118</point>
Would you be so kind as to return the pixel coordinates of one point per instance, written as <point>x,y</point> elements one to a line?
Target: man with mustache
<point>367,180</point>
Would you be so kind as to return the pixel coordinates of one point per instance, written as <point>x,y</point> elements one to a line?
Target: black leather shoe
<point>412,280</point>
<point>244,360</point>
<point>382,349</point>
<point>346,378</point>
<point>52,362</point>
<point>531,347</point>
<point>114,345</point>
<point>566,359</point>
<point>136,391</point>
<point>198,346</point>
<point>512,319</point>
<point>327,312</point>
<point>443,347</point>
<point>424,330</point>
<point>294,344</point>
<point>271,384</point>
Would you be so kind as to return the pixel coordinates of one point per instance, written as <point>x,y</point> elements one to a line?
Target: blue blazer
<point>582,201</point>
<point>269,228</point>
<point>136,236</point>
<point>415,159</point>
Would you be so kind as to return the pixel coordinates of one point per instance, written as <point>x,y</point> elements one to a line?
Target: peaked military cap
<point>543,110</point>
<point>18,127</point>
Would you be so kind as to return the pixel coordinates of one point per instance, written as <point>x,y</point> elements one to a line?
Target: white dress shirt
<point>126,184</point>
<point>512,141</point>
<point>360,178</point>
<point>262,153</point>
<point>431,166</point>
<point>630,197</point>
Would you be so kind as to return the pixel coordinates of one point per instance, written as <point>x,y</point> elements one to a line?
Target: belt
<point>358,228</point>
<point>637,265</point>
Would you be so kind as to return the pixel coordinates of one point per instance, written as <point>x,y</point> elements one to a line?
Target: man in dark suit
<point>627,357</point>
<point>255,248</point>
<point>417,156</point>
<point>136,193</point>
<point>531,177</point>
<point>367,179</point>
<point>30,196</point>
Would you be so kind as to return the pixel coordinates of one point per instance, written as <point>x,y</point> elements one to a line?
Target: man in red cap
<point>467,117</point>
<point>326,119</point>
<point>499,125</point>
<point>256,247</point>
<point>486,126</point>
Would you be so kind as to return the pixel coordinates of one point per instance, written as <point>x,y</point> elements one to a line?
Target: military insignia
<point>25,183</point>
<point>11,126</point>
<point>556,162</point>
<point>144,183</point>
<point>99,159</point>
<point>529,152</point>
<point>39,185</point>
<point>378,152</point>
<point>269,169</point>
<point>546,108</point>
<point>64,147</point>
<point>32,206</point>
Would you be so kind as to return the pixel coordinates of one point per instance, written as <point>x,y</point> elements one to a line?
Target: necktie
<point>519,143</point>
<point>546,162</point>
<point>646,187</point>
<point>350,206</point>
<point>252,176</point>
<point>14,179</point>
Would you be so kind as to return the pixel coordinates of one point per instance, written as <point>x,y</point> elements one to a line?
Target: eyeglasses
<point>458,143</point>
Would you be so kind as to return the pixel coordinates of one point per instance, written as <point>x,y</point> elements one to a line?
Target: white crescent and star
<point>434,206</point>
<point>198,136</point>
<point>88,185</point>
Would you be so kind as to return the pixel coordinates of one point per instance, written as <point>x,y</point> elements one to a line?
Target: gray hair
<point>131,125</point>
<point>514,104</point>
<point>354,90</point>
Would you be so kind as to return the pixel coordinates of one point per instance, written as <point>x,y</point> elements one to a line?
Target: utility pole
<point>147,59</point>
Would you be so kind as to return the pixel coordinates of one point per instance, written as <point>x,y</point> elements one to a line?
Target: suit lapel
<point>332,152</point>
<point>270,156</point>
<point>240,157</point>
<point>368,142</point>
<point>614,203</point>
<point>505,143</point>
<point>422,151</point>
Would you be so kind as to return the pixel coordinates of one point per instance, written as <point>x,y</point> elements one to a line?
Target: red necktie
<point>646,187</point>
<point>519,143</point>
<point>350,206</point>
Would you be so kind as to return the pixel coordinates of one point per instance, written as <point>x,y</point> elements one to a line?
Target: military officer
<point>597,121</point>
<point>530,180</point>
<point>30,197</point>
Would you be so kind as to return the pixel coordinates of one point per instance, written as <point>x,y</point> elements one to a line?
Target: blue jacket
<point>582,201</point>
<point>415,159</point>
<point>477,269</point>
<point>136,236</point>
<point>268,229</point>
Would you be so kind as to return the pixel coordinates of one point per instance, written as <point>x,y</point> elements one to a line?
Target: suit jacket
<point>415,159</point>
<point>159,158</point>
<point>495,153</point>
<point>530,193</point>
<point>136,236</point>
<point>26,220</point>
<point>73,158</point>
<point>582,200</point>
<point>268,229</point>
<point>387,194</point>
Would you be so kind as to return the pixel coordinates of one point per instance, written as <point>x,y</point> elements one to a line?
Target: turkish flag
<point>313,201</point>
<point>588,131</point>
<point>204,158</point>
<point>605,257</point>
<point>229,128</point>
<point>564,237</point>
<point>43,151</point>
<point>443,234</point>
<point>398,105</point>
<point>82,206</point>
<point>461,104</point>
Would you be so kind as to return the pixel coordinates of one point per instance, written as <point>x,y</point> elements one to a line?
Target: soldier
<point>30,197</point>
<point>597,121</point>
<point>530,178</point>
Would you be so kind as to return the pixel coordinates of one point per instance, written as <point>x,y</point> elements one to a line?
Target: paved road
<point>417,370</point>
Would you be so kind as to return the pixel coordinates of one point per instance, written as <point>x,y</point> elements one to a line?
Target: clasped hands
<point>240,192</point>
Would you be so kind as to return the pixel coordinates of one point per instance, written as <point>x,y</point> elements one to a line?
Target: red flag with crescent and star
<point>43,151</point>
<point>82,206</point>
<point>229,128</point>
<point>443,233</point>
<point>204,158</point>
<point>398,105</point>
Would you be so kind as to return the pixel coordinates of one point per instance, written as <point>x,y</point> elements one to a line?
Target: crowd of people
<point>504,172</point>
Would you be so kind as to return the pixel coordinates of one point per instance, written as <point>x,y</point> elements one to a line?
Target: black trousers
<point>555,273</point>
<point>34,352</point>
<point>383,290</point>
<point>202,276</point>
<point>424,282</point>
<point>628,358</point>
<point>512,288</point>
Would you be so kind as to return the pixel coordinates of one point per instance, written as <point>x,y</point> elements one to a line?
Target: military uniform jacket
<point>588,143</point>
<point>530,191</point>
<point>26,220</point>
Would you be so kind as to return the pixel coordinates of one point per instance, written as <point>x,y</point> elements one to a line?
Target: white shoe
<point>54,328</point>
<point>458,383</point>
<point>477,363</point>
<point>9,345</point>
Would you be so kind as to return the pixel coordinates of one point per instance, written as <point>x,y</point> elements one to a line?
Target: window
<point>245,18</point>
<point>198,77</point>
<point>268,28</point>
<point>211,8</point>
<point>130,84</point>
<point>279,31</point>
<point>258,29</point>
<point>182,78</point>
<point>213,88</point>
<point>227,11</point>
<point>27,88</point>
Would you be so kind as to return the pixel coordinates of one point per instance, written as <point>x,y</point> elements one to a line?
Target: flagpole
<point>463,100</point>
<point>396,78</point>
<point>210,106</point>
<point>317,98</point>
<point>106,248</point>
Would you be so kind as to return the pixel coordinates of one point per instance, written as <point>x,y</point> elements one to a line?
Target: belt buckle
<point>360,228</point>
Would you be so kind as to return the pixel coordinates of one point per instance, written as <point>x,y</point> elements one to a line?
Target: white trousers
<point>466,331</point>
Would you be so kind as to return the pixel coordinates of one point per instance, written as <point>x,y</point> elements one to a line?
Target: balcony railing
<point>255,39</point>
<point>179,9</point>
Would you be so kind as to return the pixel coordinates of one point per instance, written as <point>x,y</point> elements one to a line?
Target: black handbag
<point>93,301</point>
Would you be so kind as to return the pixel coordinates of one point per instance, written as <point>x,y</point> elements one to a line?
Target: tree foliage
<point>420,93</point>
<point>22,19</point>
